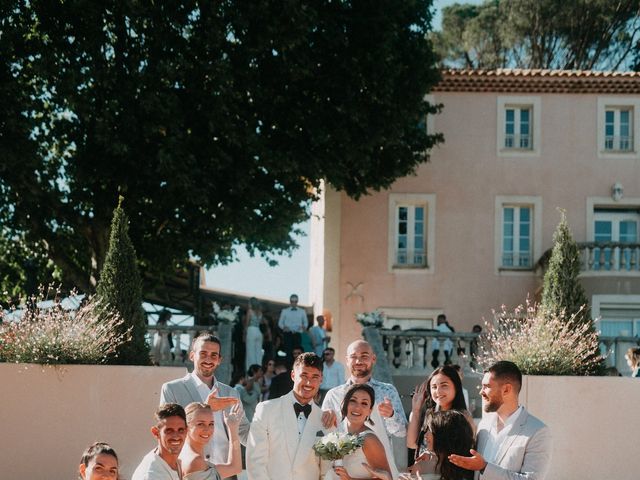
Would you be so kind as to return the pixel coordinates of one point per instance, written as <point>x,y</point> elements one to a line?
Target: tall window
<point>517,128</point>
<point>516,236</point>
<point>410,235</point>
<point>618,129</point>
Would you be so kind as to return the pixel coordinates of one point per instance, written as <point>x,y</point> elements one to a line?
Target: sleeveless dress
<point>352,463</point>
<point>209,474</point>
<point>254,341</point>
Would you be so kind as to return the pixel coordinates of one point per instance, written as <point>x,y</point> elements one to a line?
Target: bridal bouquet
<point>337,445</point>
<point>371,319</point>
<point>225,316</point>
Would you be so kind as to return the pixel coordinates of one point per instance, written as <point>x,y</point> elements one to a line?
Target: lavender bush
<point>54,335</point>
<point>539,345</point>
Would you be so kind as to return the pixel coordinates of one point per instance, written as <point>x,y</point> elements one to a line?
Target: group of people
<point>200,425</point>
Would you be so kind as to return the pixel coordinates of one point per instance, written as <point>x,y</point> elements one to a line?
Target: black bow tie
<point>306,409</point>
<point>293,309</point>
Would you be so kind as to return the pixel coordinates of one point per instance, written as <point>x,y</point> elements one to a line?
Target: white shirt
<point>318,336</point>
<point>219,439</point>
<point>332,375</point>
<point>153,467</point>
<point>294,320</point>
<point>448,344</point>
<point>495,439</point>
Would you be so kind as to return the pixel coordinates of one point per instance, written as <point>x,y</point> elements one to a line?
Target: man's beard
<point>491,405</point>
<point>362,373</point>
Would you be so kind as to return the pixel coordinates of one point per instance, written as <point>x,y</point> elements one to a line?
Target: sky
<point>255,277</point>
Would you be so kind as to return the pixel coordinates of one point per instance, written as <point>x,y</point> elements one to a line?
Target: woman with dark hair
<point>199,432</point>
<point>448,432</point>
<point>633,360</point>
<point>442,391</point>
<point>356,409</point>
<point>99,461</point>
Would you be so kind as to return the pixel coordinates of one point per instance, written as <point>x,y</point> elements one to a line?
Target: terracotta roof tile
<point>539,81</point>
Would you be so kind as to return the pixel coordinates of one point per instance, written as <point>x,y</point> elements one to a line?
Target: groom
<point>284,430</point>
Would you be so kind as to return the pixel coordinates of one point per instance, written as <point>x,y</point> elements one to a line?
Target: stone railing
<point>610,257</point>
<point>182,336</point>
<point>411,352</point>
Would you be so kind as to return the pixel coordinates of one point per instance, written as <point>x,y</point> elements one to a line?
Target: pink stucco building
<point>464,235</point>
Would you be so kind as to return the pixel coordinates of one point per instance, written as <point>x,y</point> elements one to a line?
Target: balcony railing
<point>618,143</point>
<point>410,352</point>
<point>610,257</point>
<point>517,141</point>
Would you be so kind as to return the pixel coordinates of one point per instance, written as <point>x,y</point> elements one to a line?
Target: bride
<point>356,409</point>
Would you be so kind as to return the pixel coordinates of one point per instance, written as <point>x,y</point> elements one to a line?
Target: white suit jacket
<point>275,451</point>
<point>183,391</point>
<point>525,453</point>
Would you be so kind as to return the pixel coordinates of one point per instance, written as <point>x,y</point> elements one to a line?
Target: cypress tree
<point>562,291</point>
<point>120,288</point>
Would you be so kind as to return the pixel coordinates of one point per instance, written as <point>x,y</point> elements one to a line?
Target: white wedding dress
<point>352,463</point>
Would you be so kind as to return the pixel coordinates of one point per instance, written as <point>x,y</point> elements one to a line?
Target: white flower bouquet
<point>371,319</point>
<point>337,445</point>
<point>225,316</point>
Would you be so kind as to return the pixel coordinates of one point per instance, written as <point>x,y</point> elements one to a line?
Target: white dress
<point>352,463</point>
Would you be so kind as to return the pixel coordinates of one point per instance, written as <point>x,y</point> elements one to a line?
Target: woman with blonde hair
<point>200,428</point>
<point>633,360</point>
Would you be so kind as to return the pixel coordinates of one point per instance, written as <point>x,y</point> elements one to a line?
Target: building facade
<point>467,233</point>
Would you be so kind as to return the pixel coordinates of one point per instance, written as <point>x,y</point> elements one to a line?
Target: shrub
<point>53,335</point>
<point>539,344</point>
<point>120,288</point>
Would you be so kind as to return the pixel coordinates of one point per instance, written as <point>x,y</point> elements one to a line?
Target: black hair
<point>452,434</point>
<point>356,387</point>
<point>167,410</point>
<point>308,359</point>
<point>508,372</point>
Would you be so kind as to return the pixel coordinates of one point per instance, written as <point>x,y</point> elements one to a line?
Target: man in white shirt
<point>332,372</point>
<point>447,345</point>
<point>292,322</point>
<point>202,386</point>
<point>512,443</point>
<point>170,430</point>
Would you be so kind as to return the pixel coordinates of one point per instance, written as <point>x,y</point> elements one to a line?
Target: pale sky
<point>255,277</point>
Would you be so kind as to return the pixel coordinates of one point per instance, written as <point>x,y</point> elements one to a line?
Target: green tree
<point>571,34</point>
<point>217,120</point>
<point>120,288</point>
<point>562,292</point>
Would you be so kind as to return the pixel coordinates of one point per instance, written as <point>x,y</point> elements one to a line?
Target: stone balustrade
<point>610,257</point>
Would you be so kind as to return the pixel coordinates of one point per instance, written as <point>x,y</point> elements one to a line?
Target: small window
<point>517,128</point>
<point>618,129</point>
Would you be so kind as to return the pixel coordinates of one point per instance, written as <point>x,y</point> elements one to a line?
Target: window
<point>518,126</point>
<point>518,232</point>
<point>516,237</point>
<point>618,127</point>
<point>410,245</point>
<point>411,231</point>
<point>612,226</point>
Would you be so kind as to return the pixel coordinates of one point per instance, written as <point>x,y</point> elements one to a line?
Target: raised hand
<point>233,416</point>
<point>419,395</point>
<point>386,408</point>
<point>220,403</point>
